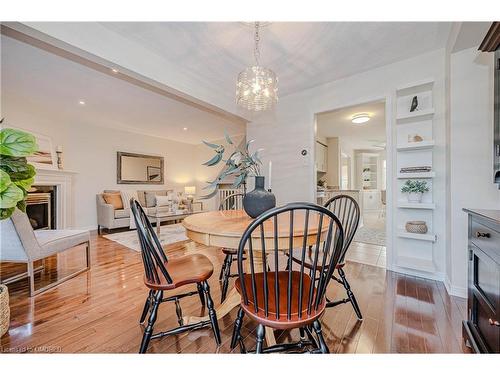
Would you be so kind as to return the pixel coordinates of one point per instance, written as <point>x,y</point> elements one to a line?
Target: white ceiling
<point>358,136</point>
<point>303,54</point>
<point>55,85</point>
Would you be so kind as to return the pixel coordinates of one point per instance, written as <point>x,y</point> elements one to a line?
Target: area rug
<point>370,235</point>
<point>168,234</point>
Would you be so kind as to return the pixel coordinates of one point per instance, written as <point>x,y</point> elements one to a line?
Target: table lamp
<point>190,191</point>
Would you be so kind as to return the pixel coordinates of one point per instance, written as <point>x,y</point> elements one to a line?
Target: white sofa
<point>109,218</point>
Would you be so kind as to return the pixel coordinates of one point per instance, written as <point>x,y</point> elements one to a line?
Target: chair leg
<point>147,305</point>
<point>226,277</point>
<point>211,312</point>
<point>260,338</point>
<point>322,345</point>
<point>148,332</point>
<point>31,275</point>
<point>221,274</point>
<point>99,230</point>
<point>178,312</point>
<point>200,293</point>
<point>350,294</point>
<point>237,328</point>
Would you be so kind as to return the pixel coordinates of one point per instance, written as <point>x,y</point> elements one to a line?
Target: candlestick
<point>270,173</point>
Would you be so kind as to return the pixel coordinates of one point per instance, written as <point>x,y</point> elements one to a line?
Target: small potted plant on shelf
<point>415,189</point>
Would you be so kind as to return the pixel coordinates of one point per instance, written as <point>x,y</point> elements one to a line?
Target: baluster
<point>290,248</point>
<point>302,262</point>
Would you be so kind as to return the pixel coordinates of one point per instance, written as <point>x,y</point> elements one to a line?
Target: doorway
<point>353,142</point>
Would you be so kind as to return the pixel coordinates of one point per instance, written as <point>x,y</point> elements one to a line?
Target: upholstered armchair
<point>21,244</point>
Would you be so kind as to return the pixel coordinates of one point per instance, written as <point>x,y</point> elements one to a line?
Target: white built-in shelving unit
<point>414,251</point>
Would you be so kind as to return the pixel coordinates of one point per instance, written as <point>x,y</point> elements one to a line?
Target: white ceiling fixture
<point>257,87</point>
<point>360,118</point>
<point>81,102</point>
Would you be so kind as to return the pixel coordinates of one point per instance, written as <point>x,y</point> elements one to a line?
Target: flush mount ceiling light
<point>81,102</point>
<point>360,118</point>
<point>257,87</point>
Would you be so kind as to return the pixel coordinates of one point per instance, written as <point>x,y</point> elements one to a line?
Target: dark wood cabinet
<point>481,330</point>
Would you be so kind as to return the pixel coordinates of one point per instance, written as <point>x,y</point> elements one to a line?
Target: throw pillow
<point>113,199</point>
<point>162,200</point>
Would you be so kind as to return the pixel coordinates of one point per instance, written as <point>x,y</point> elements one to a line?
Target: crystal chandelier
<point>257,87</point>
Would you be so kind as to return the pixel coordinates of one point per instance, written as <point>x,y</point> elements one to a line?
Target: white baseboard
<point>438,276</point>
<point>454,290</point>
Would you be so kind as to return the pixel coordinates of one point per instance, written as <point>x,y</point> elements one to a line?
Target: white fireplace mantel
<point>63,180</point>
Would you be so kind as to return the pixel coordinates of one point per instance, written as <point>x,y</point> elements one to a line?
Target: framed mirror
<point>139,169</point>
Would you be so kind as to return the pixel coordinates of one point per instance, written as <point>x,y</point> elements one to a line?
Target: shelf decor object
<point>415,189</point>
<point>257,87</point>
<point>419,227</point>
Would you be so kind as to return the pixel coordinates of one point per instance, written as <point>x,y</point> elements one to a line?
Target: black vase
<point>258,200</point>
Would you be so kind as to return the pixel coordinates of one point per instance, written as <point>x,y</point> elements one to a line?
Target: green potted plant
<point>240,165</point>
<point>415,189</point>
<point>16,175</point>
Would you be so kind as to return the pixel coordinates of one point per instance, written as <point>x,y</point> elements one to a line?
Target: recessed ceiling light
<point>81,102</point>
<point>360,118</point>
<point>114,70</point>
<point>184,129</point>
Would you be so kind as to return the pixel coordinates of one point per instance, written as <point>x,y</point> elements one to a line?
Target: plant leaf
<point>29,172</point>
<point>212,145</point>
<point>15,142</point>
<point>248,144</point>
<point>5,180</point>
<point>5,213</point>
<point>10,196</point>
<point>208,196</point>
<point>21,205</point>
<point>25,184</point>
<point>228,140</point>
<point>215,160</point>
<point>239,180</point>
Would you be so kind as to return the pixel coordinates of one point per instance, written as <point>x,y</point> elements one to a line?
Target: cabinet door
<point>484,285</point>
<point>321,155</point>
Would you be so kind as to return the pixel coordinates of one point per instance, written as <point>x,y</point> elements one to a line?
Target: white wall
<point>290,129</point>
<point>471,152</point>
<point>90,151</point>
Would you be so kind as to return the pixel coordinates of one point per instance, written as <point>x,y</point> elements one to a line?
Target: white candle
<point>59,149</point>
<point>270,171</point>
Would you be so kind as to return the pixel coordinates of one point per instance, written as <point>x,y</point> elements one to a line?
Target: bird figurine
<point>414,104</point>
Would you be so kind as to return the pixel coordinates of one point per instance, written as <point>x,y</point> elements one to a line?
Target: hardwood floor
<point>98,311</point>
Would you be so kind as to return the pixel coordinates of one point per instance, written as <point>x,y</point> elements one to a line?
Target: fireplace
<point>41,207</point>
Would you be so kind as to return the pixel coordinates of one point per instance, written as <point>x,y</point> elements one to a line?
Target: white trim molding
<point>454,290</point>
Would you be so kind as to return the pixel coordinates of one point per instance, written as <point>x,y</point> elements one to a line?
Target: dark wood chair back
<point>232,202</point>
<point>285,284</point>
<point>153,256</point>
<point>347,211</point>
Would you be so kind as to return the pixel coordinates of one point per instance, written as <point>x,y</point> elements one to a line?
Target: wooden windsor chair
<point>162,274</point>
<point>231,202</point>
<point>346,209</point>
<point>277,293</point>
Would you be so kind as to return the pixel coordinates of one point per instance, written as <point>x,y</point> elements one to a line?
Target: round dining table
<point>224,229</point>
